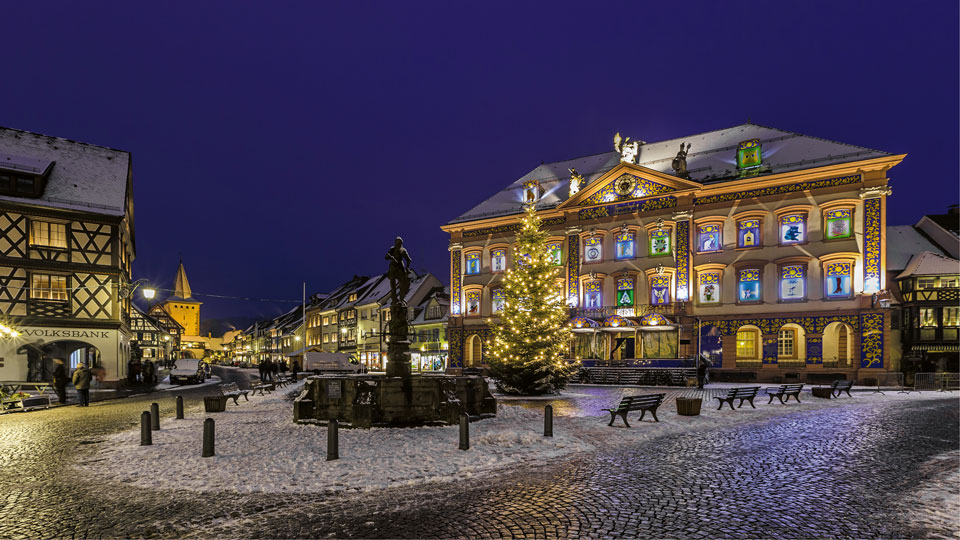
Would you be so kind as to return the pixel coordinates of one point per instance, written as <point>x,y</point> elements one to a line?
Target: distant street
<point>840,472</point>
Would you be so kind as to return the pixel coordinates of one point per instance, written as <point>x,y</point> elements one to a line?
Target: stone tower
<point>182,307</point>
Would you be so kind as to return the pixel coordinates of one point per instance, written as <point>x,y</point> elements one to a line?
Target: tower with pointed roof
<point>182,307</point>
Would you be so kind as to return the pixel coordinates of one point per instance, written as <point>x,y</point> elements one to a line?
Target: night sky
<point>277,142</point>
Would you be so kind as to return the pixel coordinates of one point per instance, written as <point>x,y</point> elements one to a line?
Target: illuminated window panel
<point>839,279</point>
<point>709,288</point>
<point>792,283</point>
<point>593,294</point>
<point>626,246</point>
<point>625,292</point>
<point>787,343</point>
<point>793,229</point>
<point>748,233</point>
<point>473,303</point>
<point>593,249</point>
<point>46,234</point>
<point>748,285</point>
<point>498,300</point>
<point>838,224</point>
<point>472,265</point>
<point>555,251</point>
<point>48,287</point>
<point>659,290</point>
<point>747,344</point>
<point>749,155</point>
<point>659,242</point>
<point>498,260</point>
<point>709,239</point>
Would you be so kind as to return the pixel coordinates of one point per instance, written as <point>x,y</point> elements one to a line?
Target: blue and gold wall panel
<point>872,267</point>
<point>871,340</point>
<point>455,356</point>
<point>455,289</point>
<point>573,270</point>
<point>683,261</point>
<point>814,350</point>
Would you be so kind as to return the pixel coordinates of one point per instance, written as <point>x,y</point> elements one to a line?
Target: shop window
<point>926,283</point>
<point>49,287</point>
<point>659,242</point>
<point>626,245</point>
<point>787,343</point>
<point>748,285</point>
<point>593,249</point>
<point>793,229</point>
<point>951,316</point>
<point>625,292</point>
<point>659,290</point>
<point>472,266</point>
<point>555,252</point>
<point>47,234</point>
<point>949,282</point>
<point>709,288</point>
<point>709,238</point>
<point>593,294</point>
<point>747,344</point>
<point>498,260</point>
<point>748,233</point>
<point>928,317</point>
<point>498,300</point>
<point>792,282</point>
<point>838,280</point>
<point>473,303</point>
<point>838,224</point>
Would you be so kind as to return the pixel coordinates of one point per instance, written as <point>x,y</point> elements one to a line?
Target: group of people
<point>142,372</point>
<point>270,369</point>
<point>82,376</point>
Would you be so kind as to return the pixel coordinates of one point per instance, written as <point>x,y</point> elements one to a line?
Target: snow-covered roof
<point>711,159</point>
<point>930,264</point>
<point>903,242</point>
<point>84,176</point>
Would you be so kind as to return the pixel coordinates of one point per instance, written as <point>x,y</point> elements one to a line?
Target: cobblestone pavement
<point>844,472</point>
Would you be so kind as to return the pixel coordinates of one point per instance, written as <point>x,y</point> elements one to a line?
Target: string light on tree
<point>529,340</point>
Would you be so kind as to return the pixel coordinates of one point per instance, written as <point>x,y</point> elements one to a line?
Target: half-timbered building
<point>67,244</point>
<point>755,247</point>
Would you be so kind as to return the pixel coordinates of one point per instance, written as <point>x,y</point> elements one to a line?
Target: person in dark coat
<point>702,373</point>
<point>60,379</point>
<point>81,380</point>
<point>263,370</point>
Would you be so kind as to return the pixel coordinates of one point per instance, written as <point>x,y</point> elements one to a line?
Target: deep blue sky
<point>277,142</point>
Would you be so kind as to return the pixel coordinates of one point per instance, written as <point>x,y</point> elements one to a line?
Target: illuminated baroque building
<point>757,248</point>
<point>67,244</point>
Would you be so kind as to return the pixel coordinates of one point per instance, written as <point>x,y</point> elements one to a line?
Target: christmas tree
<point>529,340</point>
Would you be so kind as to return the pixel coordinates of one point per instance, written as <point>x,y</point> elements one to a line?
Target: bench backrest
<point>627,402</point>
<point>229,387</point>
<point>743,391</point>
<point>842,384</point>
<point>792,387</point>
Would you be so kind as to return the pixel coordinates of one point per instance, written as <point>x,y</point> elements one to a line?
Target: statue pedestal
<point>398,358</point>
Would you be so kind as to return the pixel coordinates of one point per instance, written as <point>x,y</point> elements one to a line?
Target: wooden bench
<point>231,390</point>
<point>841,386</point>
<point>784,390</point>
<point>643,403</point>
<point>745,393</point>
<point>262,387</point>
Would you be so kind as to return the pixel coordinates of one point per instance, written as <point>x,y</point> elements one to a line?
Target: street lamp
<point>128,290</point>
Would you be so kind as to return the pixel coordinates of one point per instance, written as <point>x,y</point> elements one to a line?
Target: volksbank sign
<point>56,333</point>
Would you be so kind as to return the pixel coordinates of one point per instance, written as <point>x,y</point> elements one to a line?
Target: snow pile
<point>260,449</point>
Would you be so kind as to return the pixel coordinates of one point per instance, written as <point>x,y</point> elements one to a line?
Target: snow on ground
<point>260,449</point>
<point>936,505</point>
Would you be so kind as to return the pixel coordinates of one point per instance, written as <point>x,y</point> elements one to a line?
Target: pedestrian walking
<point>702,373</point>
<point>275,370</point>
<point>261,367</point>
<point>149,372</point>
<point>60,380</point>
<point>81,380</point>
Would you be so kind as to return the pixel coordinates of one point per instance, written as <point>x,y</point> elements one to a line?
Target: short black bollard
<point>207,438</point>
<point>179,407</point>
<point>333,440</point>
<point>146,438</point>
<point>464,432</point>
<point>155,416</point>
<point>548,421</point>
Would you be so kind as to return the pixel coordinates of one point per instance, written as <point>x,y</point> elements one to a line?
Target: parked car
<point>187,371</point>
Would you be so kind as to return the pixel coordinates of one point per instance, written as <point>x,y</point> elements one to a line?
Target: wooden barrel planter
<point>688,406</point>
<point>215,403</point>
<point>825,393</point>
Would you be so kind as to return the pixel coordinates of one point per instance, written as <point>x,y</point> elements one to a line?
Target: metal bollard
<point>146,438</point>
<point>333,440</point>
<point>548,421</point>
<point>207,438</point>
<point>179,407</point>
<point>464,432</point>
<point>155,416</point>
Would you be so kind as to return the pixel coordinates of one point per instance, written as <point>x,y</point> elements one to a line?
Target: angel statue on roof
<point>628,150</point>
<point>576,179</point>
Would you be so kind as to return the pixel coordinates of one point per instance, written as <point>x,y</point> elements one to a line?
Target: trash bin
<point>688,406</point>
<point>215,403</point>
<point>825,393</point>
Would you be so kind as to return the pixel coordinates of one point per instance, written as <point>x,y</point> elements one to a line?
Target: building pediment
<point>627,182</point>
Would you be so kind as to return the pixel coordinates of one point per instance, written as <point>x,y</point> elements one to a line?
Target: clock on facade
<point>625,185</point>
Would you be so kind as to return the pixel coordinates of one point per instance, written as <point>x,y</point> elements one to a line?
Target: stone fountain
<point>396,398</point>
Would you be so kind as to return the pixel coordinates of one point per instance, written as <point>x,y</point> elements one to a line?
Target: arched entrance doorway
<point>838,344</point>
<point>192,354</point>
<point>711,345</point>
<point>474,352</point>
<point>72,353</point>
